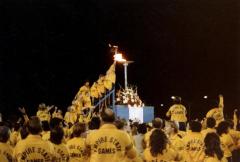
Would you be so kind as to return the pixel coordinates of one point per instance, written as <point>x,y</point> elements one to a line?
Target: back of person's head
<point>45,126</point>
<point>4,134</point>
<point>107,116</point>
<point>119,124</point>
<point>158,142</point>
<point>195,126</point>
<point>16,126</point>
<point>213,145</point>
<point>157,123</point>
<point>56,135</point>
<point>231,123</point>
<point>55,122</point>
<point>24,132</point>
<point>34,126</point>
<point>222,128</point>
<point>211,122</point>
<point>94,123</point>
<point>142,128</point>
<point>78,129</point>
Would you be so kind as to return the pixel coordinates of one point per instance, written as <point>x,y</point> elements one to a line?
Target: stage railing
<point>105,98</point>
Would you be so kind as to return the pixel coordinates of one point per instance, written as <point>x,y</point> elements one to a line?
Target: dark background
<point>187,48</point>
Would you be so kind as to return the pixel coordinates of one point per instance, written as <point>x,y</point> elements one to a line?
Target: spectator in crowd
<point>157,124</point>
<point>46,130</point>
<point>158,149</point>
<point>108,143</point>
<point>194,143</point>
<point>213,149</point>
<point>6,151</point>
<point>141,130</point>
<point>175,137</point>
<point>61,150</point>
<point>15,134</point>
<point>33,148</point>
<point>236,139</point>
<point>226,140</point>
<point>76,145</point>
<point>211,122</point>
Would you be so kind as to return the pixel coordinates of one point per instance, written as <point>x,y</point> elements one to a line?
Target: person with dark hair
<point>94,123</point>
<point>217,113</point>
<point>61,150</point>
<point>46,131</point>
<point>33,148</point>
<point>157,124</point>
<point>76,145</point>
<point>119,124</point>
<point>213,149</point>
<point>236,139</point>
<point>211,122</point>
<point>23,133</point>
<point>226,140</point>
<point>178,113</point>
<point>109,143</point>
<point>194,143</point>
<point>158,148</point>
<point>6,151</point>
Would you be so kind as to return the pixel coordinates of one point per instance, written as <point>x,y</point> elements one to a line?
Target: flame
<point>118,57</point>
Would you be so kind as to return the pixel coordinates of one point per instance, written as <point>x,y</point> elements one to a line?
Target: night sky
<point>188,48</point>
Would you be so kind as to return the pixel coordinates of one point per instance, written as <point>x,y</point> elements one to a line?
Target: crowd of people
<point>103,137</point>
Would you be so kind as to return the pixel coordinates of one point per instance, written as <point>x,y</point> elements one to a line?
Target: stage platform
<point>145,114</point>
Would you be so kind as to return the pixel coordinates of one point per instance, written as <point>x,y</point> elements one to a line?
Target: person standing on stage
<point>178,113</point>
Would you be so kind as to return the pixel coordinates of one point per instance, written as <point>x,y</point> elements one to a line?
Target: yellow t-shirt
<point>45,135</point>
<point>14,138</point>
<point>94,91</point>
<point>43,115</point>
<point>6,152</point>
<point>214,159</point>
<point>208,130</point>
<point>57,115</point>
<point>77,150</point>
<point>227,144</point>
<point>70,117</point>
<point>61,152</point>
<point>178,113</point>
<point>193,147</point>
<point>176,142</point>
<point>168,155</point>
<point>107,83</point>
<point>100,85</point>
<point>108,144</point>
<point>33,148</point>
<point>235,136</point>
<point>217,114</point>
